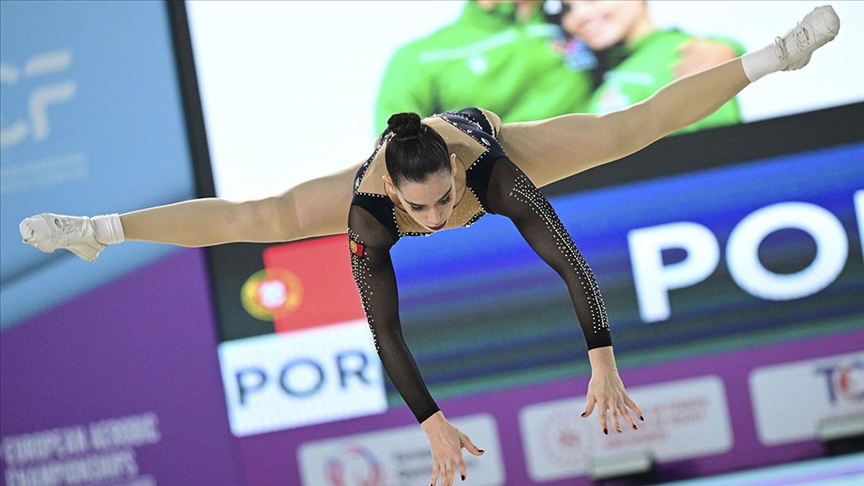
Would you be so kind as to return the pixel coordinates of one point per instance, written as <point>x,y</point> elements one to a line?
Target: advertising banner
<point>698,422</point>
<point>398,455</point>
<point>689,418</point>
<point>287,380</point>
<point>791,400</point>
<point>310,357</point>
<point>120,386</point>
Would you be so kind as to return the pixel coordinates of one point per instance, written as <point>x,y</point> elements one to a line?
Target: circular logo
<point>271,294</point>
<point>354,465</point>
<point>562,439</point>
<point>850,382</point>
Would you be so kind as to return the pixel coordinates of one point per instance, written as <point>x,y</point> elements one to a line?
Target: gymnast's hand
<point>606,391</point>
<point>446,443</point>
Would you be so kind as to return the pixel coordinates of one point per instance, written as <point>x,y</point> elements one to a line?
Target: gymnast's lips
<point>436,228</point>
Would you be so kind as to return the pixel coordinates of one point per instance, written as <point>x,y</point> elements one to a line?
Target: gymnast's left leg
<point>556,148</point>
<point>318,207</point>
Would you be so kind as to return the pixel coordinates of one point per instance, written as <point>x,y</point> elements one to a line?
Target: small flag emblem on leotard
<point>356,248</point>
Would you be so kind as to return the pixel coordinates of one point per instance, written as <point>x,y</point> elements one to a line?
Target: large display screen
<point>290,90</point>
<point>742,232</point>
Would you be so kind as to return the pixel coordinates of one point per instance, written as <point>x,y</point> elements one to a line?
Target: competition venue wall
<point>730,260</point>
<point>109,374</point>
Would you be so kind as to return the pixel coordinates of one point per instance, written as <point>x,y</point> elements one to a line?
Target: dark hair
<point>414,151</point>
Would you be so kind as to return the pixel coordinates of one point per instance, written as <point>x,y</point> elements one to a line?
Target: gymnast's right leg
<point>553,149</point>
<point>314,208</point>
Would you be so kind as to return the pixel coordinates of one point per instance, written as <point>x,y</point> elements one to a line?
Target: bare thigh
<point>556,148</point>
<point>320,206</point>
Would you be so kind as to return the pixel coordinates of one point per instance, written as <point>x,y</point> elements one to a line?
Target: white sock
<point>109,229</point>
<point>761,63</point>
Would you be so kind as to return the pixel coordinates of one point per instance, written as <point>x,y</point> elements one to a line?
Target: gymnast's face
<point>604,23</point>
<point>430,202</point>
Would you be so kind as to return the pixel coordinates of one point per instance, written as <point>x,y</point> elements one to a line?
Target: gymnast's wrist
<point>602,360</point>
<point>433,421</point>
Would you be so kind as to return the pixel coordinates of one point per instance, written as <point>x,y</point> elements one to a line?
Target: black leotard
<point>494,185</point>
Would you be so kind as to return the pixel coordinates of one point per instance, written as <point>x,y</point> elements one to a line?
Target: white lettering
<point>48,62</point>
<point>653,279</point>
<point>16,132</point>
<point>132,431</point>
<point>41,97</point>
<point>742,251</point>
<point>80,470</point>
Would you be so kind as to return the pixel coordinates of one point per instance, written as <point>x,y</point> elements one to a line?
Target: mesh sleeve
<point>373,273</point>
<point>513,195</point>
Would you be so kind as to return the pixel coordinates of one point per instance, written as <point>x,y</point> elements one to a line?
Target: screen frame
<point>740,143</point>
<point>229,265</point>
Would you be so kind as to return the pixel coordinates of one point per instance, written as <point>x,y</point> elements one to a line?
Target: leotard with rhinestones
<point>495,186</point>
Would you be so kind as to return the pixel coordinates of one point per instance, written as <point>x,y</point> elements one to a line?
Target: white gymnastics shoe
<point>815,30</point>
<point>49,232</point>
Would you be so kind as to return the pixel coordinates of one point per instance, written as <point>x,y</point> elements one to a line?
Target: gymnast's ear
<point>388,184</point>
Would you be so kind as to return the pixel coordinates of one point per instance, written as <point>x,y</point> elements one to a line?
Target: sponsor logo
<point>822,389</point>
<point>563,440</point>
<point>34,94</point>
<point>559,444</point>
<point>36,124</point>
<point>355,465</point>
<point>397,456</point>
<point>844,381</point>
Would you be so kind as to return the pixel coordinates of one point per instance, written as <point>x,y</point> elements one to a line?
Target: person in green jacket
<point>632,59</point>
<point>498,55</point>
<point>504,56</point>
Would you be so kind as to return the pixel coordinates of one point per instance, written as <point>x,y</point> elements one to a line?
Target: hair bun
<point>404,125</point>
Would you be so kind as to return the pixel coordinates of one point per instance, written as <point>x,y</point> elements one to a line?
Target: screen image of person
<point>628,58</point>
<point>516,60</point>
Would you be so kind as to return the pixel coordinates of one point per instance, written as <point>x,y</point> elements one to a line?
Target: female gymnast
<point>443,172</point>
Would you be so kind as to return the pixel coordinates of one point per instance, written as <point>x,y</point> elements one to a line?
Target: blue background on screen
<point>463,282</point>
<point>109,141</point>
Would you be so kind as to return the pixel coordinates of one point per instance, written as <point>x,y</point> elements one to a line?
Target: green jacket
<point>650,65</point>
<point>488,59</point>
